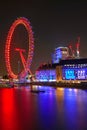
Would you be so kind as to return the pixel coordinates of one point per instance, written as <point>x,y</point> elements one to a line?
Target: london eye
<point>26,63</point>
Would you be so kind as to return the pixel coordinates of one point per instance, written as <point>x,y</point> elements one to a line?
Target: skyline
<point>53,23</point>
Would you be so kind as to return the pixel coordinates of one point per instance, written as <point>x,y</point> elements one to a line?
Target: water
<point>56,109</point>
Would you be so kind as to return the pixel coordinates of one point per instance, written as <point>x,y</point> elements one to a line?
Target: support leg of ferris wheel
<point>23,60</point>
<point>24,63</point>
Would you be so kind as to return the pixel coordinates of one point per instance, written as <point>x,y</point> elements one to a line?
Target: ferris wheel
<point>26,63</point>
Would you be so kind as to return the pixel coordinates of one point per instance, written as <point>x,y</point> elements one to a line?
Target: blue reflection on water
<point>63,109</point>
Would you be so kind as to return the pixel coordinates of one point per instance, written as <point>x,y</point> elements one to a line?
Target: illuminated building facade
<point>46,73</point>
<point>75,69</point>
<point>70,69</point>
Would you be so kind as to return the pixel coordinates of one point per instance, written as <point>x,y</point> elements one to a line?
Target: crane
<point>72,51</point>
<point>77,47</point>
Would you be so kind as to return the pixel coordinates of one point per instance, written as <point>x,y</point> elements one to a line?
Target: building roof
<point>74,61</point>
<point>63,62</point>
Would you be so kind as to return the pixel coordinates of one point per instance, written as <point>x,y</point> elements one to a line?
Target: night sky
<point>54,24</point>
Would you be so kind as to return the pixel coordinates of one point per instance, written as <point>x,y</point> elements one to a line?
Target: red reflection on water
<point>17,110</point>
<point>9,120</point>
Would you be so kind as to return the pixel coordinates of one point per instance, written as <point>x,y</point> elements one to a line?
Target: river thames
<point>55,109</point>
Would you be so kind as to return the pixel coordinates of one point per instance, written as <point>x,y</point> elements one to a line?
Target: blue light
<point>69,74</point>
<point>81,74</point>
<point>75,73</point>
<point>57,56</point>
<point>46,75</point>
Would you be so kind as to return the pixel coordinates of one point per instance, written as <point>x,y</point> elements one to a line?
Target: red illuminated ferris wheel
<point>26,63</point>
